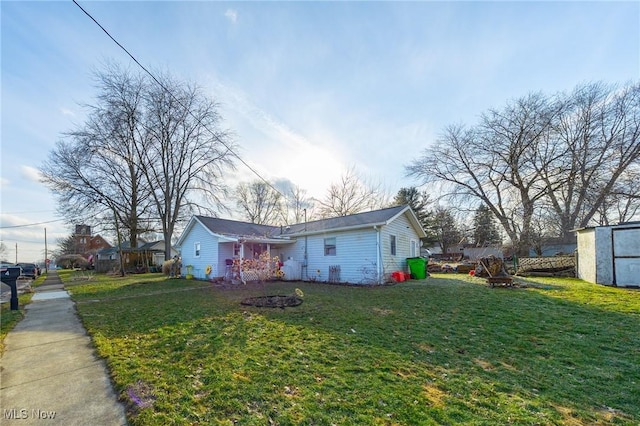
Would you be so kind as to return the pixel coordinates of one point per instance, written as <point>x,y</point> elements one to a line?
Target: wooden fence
<point>545,266</point>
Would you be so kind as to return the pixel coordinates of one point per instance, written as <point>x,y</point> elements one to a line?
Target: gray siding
<point>208,252</point>
<point>355,253</point>
<point>225,251</point>
<point>404,232</point>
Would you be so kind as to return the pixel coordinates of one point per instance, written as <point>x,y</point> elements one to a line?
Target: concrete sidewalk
<point>49,373</point>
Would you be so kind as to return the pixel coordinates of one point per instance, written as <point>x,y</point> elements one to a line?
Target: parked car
<point>28,270</point>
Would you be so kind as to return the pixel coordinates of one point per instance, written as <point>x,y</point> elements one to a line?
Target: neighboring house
<point>86,244</point>
<point>554,247</point>
<point>610,255</point>
<point>473,252</point>
<point>146,256</point>
<point>360,248</point>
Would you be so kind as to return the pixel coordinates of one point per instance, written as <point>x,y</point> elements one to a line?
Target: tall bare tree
<point>493,163</point>
<point>297,205</point>
<point>185,151</point>
<point>94,171</point>
<point>259,202</point>
<point>561,153</point>
<point>3,251</point>
<point>351,195</point>
<point>595,141</point>
<point>148,149</point>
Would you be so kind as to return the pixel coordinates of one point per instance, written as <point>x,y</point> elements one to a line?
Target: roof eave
<point>344,228</point>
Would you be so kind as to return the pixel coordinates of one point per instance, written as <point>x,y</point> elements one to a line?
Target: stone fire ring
<point>272,301</point>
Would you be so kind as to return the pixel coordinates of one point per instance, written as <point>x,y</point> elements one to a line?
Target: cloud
<point>275,150</point>
<point>31,173</point>
<point>231,15</point>
<point>68,112</point>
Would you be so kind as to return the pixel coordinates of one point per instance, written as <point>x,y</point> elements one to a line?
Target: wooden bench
<point>503,281</point>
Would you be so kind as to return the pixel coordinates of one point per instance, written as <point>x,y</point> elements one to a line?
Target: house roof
<point>142,247</point>
<point>235,230</point>
<point>354,221</point>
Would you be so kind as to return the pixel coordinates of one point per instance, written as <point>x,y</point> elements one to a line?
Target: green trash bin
<point>417,267</point>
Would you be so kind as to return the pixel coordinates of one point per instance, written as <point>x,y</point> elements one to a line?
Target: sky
<point>309,89</point>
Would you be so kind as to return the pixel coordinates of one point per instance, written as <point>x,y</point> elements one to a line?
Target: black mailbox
<point>9,277</point>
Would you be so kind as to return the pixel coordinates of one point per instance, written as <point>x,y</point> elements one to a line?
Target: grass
<point>9,318</point>
<point>447,350</point>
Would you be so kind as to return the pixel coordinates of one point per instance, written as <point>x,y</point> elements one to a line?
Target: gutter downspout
<point>305,264</point>
<point>378,255</point>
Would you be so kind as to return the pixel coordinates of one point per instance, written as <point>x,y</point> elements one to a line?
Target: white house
<point>610,255</point>
<point>363,248</point>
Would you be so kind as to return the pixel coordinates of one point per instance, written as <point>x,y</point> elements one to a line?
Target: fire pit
<point>273,301</point>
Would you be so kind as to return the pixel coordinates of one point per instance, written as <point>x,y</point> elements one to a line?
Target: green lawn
<point>446,350</point>
<point>9,318</point>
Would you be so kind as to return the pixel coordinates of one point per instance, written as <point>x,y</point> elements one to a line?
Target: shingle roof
<point>376,217</point>
<point>245,229</point>
<point>235,228</point>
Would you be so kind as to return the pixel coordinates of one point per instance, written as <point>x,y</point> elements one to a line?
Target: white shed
<point>610,255</point>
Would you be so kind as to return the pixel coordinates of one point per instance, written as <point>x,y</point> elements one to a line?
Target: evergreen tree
<point>485,230</point>
<point>445,228</point>
<point>419,203</point>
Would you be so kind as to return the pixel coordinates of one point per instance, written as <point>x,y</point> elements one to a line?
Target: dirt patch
<point>273,301</point>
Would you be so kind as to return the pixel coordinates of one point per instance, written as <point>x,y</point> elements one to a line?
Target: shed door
<point>626,257</point>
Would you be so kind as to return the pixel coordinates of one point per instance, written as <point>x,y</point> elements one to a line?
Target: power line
<point>30,224</point>
<point>29,211</point>
<point>175,98</point>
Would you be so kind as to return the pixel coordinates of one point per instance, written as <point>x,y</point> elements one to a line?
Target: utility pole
<point>46,257</point>
<point>16,253</point>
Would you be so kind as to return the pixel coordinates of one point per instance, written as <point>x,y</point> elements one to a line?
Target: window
<point>196,251</point>
<point>236,249</point>
<point>414,248</point>
<point>330,246</point>
<point>393,245</point>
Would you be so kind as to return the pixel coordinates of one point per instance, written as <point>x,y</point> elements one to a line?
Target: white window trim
<point>197,249</point>
<point>335,246</point>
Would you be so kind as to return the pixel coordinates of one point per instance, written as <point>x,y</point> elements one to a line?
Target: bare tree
<point>351,195</point>
<point>623,203</point>
<point>297,206</point>
<point>596,140</point>
<point>3,250</point>
<point>259,202</point>
<point>94,171</point>
<point>147,150</point>
<point>563,153</point>
<point>185,151</point>
<point>492,163</point>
